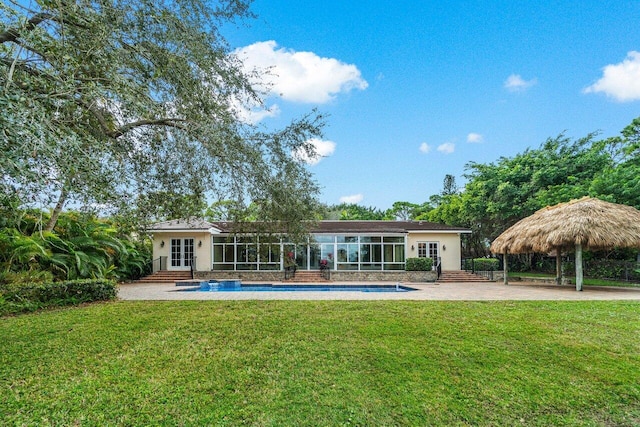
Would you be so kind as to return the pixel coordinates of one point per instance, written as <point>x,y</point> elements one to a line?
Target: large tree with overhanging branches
<point>133,106</point>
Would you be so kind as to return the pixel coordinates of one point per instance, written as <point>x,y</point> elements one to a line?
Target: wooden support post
<point>505,268</point>
<point>558,266</point>
<point>578,267</point>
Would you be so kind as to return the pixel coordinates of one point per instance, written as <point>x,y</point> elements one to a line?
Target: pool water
<point>237,286</point>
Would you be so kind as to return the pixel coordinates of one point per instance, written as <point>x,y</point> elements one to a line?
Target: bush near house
<point>419,264</point>
<point>25,297</point>
<point>482,264</point>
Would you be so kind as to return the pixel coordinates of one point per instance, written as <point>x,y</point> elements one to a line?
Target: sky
<point>416,90</point>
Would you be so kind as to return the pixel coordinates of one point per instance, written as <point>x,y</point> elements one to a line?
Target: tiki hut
<point>586,223</point>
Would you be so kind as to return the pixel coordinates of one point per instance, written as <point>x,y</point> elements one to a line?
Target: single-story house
<point>350,250</point>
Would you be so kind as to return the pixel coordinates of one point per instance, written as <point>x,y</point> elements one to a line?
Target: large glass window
<point>342,252</point>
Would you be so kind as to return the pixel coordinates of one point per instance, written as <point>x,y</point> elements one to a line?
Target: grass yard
<point>587,281</point>
<point>323,363</point>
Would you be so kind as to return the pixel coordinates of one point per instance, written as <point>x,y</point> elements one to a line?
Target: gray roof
<point>328,227</point>
<point>191,224</point>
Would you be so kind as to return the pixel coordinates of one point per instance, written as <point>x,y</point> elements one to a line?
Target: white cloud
<point>353,199</point>
<point>322,149</point>
<point>299,76</point>
<point>620,81</point>
<point>475,137</point>
<point>252,113</point>
<point>425,148</point>
<point>515,83</point>
<point>447,147</point>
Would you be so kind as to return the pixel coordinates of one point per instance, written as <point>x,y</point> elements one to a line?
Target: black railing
<point>159,263</point>
<point>290,272</point>
<point>471,265</point>
<point>325,272</point>
<point>439,267</point>
<point>193,266</point>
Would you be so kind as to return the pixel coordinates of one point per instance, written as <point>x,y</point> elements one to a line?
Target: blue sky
<point>415,90</point>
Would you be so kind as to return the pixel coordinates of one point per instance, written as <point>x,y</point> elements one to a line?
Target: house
<point>350,250</point>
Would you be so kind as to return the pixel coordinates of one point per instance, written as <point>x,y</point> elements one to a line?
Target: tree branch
<point>170,122</point>
<point>12,34</point>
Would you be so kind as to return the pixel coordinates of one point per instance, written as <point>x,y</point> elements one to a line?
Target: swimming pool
<point>237,286</point>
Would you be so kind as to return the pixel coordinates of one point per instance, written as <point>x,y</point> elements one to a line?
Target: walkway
<point>430,291</point>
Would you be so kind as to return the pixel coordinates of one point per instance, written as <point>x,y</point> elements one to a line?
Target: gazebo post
<point>505,268</point>
<point>558,267</point>
<point>578,267</point>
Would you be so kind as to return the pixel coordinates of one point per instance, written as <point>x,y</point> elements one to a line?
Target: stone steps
<point>165,276</point>
<point>460,276</point>
<point>307,277</point>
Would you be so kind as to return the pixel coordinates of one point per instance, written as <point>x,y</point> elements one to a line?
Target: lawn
<point>588,281</point>
<point>323,363</point>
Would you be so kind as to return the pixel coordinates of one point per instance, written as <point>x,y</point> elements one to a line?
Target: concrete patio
<point>425,291</point>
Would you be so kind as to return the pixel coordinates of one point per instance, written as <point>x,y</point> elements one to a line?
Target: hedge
<point>25,297</point>
<point>485,264</point>
<point>419,264</point>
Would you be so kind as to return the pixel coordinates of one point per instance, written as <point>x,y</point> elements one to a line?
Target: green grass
<point>323,363</point>
<point>587,280</point>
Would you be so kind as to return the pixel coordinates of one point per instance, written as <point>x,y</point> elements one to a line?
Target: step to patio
<point>307,277</point>
<point>460,276</point>
<point>165,276</point>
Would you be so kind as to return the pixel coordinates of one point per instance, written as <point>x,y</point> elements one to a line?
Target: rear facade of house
<point>348,249</point>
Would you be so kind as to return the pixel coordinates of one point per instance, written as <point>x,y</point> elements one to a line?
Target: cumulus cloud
<point>252,113</point>
<point>447,148</point>
<point>620,81</point>
<point>425,148</point>
<point>475,138</point>
<point>515,83</point>
<point>322,149</point>
<point>299,76</point>
<point>353,199</point>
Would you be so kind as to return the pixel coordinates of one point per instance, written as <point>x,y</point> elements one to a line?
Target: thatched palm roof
<point>589,222</point>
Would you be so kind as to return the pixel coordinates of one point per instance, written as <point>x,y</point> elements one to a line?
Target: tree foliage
<point>80,246</point>
<point>499,194</point>
<point>132,106</point>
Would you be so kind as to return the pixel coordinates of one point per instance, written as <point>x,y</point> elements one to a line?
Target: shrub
<point>419,264</point>
<point>486,264</point>
<point>24,297</point>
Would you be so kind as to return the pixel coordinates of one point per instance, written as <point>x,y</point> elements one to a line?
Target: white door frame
<point>181,253</point>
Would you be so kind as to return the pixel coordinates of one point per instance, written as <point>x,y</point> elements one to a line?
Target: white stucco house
<point>349,249</point>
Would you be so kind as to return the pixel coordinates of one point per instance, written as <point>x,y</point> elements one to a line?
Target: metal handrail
<point>290,272</point>
<point>159,264</point>
<point>439,267</point>
<point>193,265</point>
<point>325,272</point>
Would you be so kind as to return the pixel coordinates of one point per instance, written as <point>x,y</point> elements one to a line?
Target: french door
<point>429,250</point>
<point>181,254</point>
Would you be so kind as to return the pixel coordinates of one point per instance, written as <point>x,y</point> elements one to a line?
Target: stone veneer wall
<point>336,276</point>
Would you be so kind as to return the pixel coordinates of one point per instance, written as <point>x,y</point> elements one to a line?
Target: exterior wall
<point>202,253</point>
<point>450,257</point>
<point>336,276</point>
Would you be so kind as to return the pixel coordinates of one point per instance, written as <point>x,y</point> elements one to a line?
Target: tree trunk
<point>53,220</point>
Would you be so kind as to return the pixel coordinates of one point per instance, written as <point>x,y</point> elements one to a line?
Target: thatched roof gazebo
<point>586,223</point>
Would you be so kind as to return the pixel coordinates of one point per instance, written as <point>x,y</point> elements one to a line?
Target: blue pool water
<point>237,286</point>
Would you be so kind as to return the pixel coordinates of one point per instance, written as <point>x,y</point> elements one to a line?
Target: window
<point>355,252</point>
<point>429,250</point>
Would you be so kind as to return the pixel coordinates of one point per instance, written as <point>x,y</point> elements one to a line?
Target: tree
<point>127,104</point>
<point>353,212</point>
<point>499,194</point>
<point>406,211</point>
